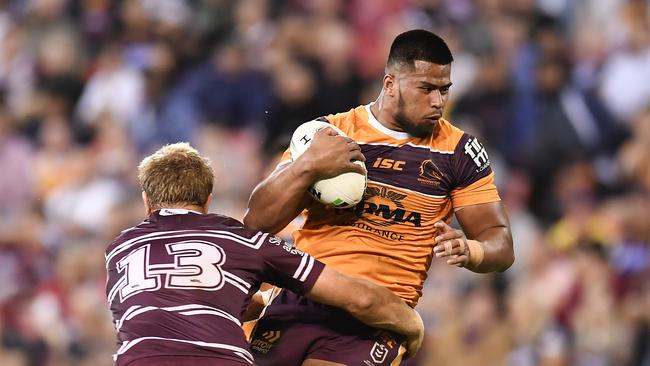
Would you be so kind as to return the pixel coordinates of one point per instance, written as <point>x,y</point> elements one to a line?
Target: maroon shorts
<point>183,361</point>
<point>295,329</point>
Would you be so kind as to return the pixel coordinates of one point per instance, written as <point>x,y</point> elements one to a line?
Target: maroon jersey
<point>179,282</point>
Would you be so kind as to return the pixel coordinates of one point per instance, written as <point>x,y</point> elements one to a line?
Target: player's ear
<point>206,206</point>
<point>145,200</point>
<point>389,84</point>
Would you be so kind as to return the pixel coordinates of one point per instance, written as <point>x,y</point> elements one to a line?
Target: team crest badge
<point>429,173</point>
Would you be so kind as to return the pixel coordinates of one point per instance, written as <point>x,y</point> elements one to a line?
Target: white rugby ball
<point>343,191</point>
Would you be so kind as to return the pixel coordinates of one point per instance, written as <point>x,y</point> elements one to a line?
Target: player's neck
<point>381,111</point>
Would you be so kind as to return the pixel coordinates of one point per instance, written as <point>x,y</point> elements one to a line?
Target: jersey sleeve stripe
<point>296,275</point>
<point>308,270</point>
<point>236,350</point>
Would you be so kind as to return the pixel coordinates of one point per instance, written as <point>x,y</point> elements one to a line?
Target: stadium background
<point>558,91</point>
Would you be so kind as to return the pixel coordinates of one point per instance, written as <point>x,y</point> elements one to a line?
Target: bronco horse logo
<point>429,173</point>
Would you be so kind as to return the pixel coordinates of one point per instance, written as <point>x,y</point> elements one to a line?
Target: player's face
<point>422,94</point>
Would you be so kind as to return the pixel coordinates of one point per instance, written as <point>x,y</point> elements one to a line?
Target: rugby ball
<point>343,191</point>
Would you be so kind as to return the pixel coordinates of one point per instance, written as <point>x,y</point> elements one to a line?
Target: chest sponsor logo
<point>383,207</point>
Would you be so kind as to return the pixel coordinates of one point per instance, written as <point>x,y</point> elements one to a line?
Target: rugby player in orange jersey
<point>421,171</point>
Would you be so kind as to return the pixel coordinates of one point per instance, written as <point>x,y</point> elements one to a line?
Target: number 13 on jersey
<point>195,265</point>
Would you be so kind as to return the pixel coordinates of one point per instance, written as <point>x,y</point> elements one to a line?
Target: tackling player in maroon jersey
<point>179,283</point>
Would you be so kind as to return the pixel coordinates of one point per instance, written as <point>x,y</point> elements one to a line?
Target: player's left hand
<point>451,243</point>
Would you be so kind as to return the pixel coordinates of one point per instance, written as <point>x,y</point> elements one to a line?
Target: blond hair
<point>176,175</point>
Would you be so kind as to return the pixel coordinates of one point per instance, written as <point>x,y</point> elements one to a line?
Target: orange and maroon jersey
<point>412,183</point>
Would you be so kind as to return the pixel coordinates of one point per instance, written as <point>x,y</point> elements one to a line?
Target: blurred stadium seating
<point>558,90</point>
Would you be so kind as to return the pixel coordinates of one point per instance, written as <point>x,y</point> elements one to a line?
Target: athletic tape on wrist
<point>476,253</point>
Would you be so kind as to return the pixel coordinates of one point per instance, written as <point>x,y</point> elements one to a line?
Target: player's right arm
<point>290,268</point>
<point>283,195</point>
<point>372,304</point>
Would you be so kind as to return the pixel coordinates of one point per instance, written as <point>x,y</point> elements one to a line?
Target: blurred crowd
<point>557,90</point>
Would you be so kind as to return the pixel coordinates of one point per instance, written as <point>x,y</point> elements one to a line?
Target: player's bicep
<point>476,219</point>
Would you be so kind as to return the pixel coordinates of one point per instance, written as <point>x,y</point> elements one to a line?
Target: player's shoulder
<point>218,222</point>
<point>348,118</point>
<point>358,112</point>
<point>143,228</point>
<point>224,221</point>
<point>447,136</point>
<point>353,122</point>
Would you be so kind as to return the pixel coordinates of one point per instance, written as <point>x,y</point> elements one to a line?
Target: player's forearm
<point>497,250</point>
<point>366,301</point>
<point>279,198</point>
<point>383,309</point>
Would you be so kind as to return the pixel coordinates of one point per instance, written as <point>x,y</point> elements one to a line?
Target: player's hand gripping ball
<point>342,191</point>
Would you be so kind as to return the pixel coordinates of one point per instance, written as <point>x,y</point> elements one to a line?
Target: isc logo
<point>389,164</point>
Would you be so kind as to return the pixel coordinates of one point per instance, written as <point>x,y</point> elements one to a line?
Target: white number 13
<point>196,265</point>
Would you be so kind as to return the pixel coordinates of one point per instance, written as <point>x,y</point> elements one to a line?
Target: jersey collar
<point>398,135</point>
<point>176,211</point>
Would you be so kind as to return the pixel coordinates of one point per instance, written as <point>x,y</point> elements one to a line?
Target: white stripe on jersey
<point>232,277</point>
<point>447,152</point>
<point>189,309</point>
<point>119,322</point>
<point>133,314</point>
<point>255,242</point>
<point>296,275</point>
<point>236,350</point>
<point>113,292</point>
<point>308,270</point>
<point>236,284</point>
<point>404,189</point>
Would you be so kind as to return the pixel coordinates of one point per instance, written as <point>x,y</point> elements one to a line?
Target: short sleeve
<point>288,267</point>
<point>473,176</point>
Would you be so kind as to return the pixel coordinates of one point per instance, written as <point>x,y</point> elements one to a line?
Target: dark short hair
<point>418,44</point>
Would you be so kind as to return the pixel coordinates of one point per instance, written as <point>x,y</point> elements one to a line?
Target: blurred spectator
<point>226,90</point>
<point>557,90</point>
<point>166,115</point>
<point>296,101</point>
<point>571,124</point>
<point>16,156</point>
<point>622,87</point>
<point>114,88</point>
